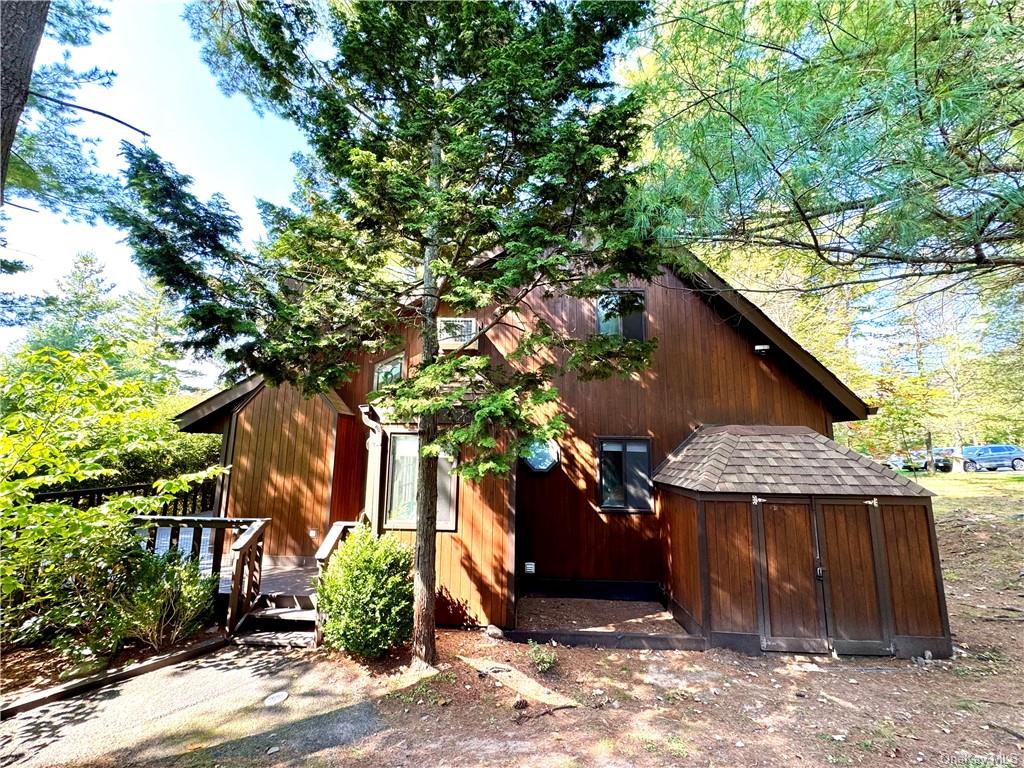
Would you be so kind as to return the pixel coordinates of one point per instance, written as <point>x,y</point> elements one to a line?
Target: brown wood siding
<point>851,572</point>
<point>912,580</point>
<point>704,372</point>
<point>349,469</point>
<point>791,588</point>
<point>678,516</point>
<point>730,544</point>
<point>281,461</point>
<point>474,562</point>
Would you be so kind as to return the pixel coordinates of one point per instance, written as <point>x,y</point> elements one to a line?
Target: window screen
<point>403,472</point>
<point>625,474</point>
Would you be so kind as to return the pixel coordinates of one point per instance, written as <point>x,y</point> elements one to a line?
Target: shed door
<point>792,599</point>
<point>850,538</point>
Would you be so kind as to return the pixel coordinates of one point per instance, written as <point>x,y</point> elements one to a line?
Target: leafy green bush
<point>169,600</point>
<point>366,595</point>
<point>61,571</point>
<point>543,658</point>
<point>66,419</point>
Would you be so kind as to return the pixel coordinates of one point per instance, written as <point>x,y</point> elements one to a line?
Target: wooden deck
<point>279,579</point>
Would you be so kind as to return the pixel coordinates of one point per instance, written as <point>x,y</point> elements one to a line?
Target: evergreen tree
<point>880,137</point>
<point>464,154</point>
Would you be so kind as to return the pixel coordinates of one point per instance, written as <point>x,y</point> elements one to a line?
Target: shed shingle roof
<point>777,460</point>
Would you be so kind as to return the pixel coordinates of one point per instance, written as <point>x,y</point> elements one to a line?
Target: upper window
<point>625,474</point>
<point>387,371</point>
<point>621,313</point>
<point>403,473</point>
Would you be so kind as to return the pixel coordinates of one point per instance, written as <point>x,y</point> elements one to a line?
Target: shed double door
<point>820,577</point>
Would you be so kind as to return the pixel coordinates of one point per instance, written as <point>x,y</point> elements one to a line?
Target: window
<point>387,371</point>
<point>403,472</point>
<point>621,313</point>
<point>624,468</point>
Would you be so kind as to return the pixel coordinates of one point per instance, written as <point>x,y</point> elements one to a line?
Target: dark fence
<point>198,500</point>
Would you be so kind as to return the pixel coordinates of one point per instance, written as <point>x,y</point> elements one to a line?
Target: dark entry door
<point>792,598</point>
<point>850,548</point>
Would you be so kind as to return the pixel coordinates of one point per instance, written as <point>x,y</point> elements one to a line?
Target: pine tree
<point>464,154</point>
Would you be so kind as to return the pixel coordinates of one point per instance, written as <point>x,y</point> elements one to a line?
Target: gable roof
<point>208,415</point>
<point>211,413</point>
<point>847,404</point>
<point>777,460</point>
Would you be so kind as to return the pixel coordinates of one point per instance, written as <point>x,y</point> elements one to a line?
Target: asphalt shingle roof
<point>777,460</point>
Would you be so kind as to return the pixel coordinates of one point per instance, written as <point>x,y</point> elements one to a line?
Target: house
<point>709,481</point>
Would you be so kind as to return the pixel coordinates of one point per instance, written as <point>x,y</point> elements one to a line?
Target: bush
<point>61,572</point>
<point>543,658</point>
<point>170,600</point>
<point>366,595</point>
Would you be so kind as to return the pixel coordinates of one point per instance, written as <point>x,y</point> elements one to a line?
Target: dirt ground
<point>487,705</point>
<point>577,615</point>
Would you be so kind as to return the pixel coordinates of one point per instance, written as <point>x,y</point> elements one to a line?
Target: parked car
<point>993,457</point>
<point>918,461</point>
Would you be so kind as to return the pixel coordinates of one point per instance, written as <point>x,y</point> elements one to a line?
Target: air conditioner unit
<point>455,332</point>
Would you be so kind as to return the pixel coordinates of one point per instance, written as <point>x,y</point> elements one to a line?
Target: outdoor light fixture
<point>761,349</point>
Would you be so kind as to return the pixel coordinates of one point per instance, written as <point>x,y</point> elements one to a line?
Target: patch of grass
<point>966,705</point>
<point>866,745</point>
<point>424,691</point>
<point>677,746</point>
<point>998,493</point>
<point>543,658</point>
<point>884,734</point>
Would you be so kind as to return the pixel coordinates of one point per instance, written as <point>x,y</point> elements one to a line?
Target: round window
<point>542,455</point>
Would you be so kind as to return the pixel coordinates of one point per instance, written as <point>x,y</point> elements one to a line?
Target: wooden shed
<point>777,538</point>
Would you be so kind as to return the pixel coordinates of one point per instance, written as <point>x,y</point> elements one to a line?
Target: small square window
<point>621,313</point>
<point>387,371</point>
<point>624,474</point>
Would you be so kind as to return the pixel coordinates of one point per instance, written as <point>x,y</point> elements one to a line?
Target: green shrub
<point>366,595</point>
<point>543,658</point>
<point>169,601</point>
<point>61,572</point>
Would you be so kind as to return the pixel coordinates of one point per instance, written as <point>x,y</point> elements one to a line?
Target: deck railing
<point>248,571</point>
<point>197,500</point>
<point>336,534</point>
<point>247,551</point>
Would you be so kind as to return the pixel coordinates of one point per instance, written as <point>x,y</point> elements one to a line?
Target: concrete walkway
<point>203,712</point>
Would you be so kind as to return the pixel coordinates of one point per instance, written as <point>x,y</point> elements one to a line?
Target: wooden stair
<point>279,621</point>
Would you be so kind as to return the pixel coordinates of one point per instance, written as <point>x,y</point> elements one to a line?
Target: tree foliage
<point>65,418</point>
<point>51,164</point>
<point>884,137</point>
<point>462,155</point>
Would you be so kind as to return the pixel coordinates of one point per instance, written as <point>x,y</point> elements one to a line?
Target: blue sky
<point>162,87</point>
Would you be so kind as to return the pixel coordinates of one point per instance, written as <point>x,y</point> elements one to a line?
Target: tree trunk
<point>21,28</point>
<point>424,625</point>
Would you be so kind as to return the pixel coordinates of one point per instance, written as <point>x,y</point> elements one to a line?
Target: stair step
<point>270,639</point>
<point>285,614</point>
<point>282,600</point>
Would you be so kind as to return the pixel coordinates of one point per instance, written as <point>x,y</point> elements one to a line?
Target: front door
<point>793,608</point>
